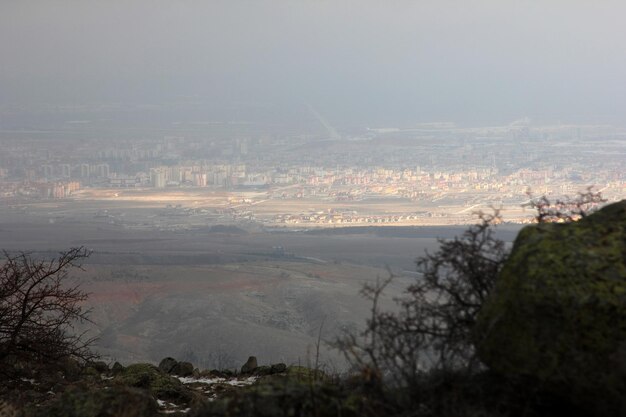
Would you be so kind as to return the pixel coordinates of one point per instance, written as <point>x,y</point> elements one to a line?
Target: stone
<point>151,378</point>
<point>211,373</point>
<point>100,366</point>
<point>249,366</point>
<point>70,368</point>
<point>558,311</point>
<point>167,365</point>
<point>117,368</point>
<point>182,369</point>
<point>279,368</point>
<point>262,370</point>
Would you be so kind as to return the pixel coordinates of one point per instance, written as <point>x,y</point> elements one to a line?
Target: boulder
<point>99,366</point>
<point>558,312</point>
<point>70,368</point>
<point>91,374</point>
<point>279,368</point>
<point>168,364</point>
<point>249,366</point>
<point>262,370</point>
<point>117,368</point>
<point>182,369</point>
<point>160,384</point>
<point>212,373</point>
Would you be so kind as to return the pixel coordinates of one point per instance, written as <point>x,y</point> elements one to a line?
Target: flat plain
<point>217,294</point>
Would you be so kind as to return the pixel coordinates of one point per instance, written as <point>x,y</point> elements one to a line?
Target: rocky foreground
<point>172,388</point>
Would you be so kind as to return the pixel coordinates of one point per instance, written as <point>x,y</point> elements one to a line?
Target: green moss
<point>159,384</point>
<point>558,312</point>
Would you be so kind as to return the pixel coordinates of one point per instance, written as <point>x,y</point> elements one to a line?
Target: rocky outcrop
<point>172,367</point>
<point>117,368</point>
<point>182,369</point>
<point>558,312</point>
<point>158,383</point>
<point>250,365</point>
<point>167,365</point>
<point>278,368</point>
<point>99,366</point>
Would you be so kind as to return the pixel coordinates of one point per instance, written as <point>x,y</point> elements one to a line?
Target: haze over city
<point>366,62</point>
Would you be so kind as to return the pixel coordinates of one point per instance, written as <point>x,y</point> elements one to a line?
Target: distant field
<point>218,295</point>
<point>194,207</point>
<point>269,309</point>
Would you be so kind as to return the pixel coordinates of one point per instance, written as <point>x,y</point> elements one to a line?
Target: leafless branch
<point>38,310</point>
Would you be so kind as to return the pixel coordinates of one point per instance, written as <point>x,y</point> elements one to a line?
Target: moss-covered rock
<point>99,366</point>
<point>158,383</point>
<point>117,368</point>
<point>167,364</point>
<point>278,368</point>
<point>262,370</point>
<point>182,369</point>
<point>558,312</point>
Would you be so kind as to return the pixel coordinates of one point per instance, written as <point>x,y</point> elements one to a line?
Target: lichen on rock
<point>558,311</point>
<point>158,383</point>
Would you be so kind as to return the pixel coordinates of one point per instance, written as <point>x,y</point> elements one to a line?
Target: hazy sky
<point>421,60</point>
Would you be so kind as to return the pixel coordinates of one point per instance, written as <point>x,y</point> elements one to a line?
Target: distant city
<point>434,173</point>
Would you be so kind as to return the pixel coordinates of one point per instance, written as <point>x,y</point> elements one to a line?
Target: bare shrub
<point>38,309</point>
<point>430,332</point>
<point>567,209</point>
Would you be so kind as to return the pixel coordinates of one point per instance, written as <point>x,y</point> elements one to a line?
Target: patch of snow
<point>30,381</point>
<point>242,382</point>
<point>210,381</point>
<point>166,404</point>
<point>186,410</point>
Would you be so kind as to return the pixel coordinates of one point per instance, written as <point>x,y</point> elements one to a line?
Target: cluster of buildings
<point>424,163</point>
<point>335,217</point>
<point>195,175</point>
<point>40,190</point>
